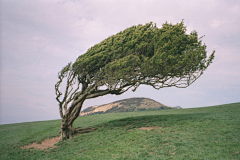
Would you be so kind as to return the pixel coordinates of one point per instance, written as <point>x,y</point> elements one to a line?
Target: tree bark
<point>67,130</point>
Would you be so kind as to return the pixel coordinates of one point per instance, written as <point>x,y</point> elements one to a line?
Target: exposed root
<point>80,130</point>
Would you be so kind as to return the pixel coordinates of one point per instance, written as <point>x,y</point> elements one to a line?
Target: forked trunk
<point>67,130</point>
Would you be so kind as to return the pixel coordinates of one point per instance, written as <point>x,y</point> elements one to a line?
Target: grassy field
<point>200,133</point>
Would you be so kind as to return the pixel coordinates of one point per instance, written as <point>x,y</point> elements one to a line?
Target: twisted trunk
<point>67,130</point>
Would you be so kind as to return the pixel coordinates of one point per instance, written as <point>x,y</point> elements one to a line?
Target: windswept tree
<point>143,54</point>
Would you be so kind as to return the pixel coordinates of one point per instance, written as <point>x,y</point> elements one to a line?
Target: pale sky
<point>39,37</point>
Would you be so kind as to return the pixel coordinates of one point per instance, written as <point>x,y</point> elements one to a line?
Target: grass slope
<point>200,133</point>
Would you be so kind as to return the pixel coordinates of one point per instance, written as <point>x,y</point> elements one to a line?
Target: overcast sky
<point>40,37</point>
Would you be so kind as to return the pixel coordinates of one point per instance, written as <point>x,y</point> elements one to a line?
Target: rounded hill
<point>126,105</point>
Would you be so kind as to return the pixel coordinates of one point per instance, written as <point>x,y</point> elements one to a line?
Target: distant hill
<point>126,105</point>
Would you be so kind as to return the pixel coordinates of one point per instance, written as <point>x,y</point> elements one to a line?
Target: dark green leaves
<point>146,52</point>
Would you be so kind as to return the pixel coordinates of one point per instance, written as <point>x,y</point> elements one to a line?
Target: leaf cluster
<point>146,54</point>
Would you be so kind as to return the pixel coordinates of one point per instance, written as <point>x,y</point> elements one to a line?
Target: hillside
<point>196,133</point>
<point>126,105</point>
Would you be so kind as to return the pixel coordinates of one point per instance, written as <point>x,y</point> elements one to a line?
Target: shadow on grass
<point>154,120</point>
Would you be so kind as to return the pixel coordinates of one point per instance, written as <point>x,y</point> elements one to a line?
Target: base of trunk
<point>67,133</point>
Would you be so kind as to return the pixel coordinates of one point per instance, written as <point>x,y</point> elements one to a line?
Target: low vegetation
<point>200,133</point>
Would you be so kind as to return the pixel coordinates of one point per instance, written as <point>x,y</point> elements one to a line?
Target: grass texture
<point>199,133</point>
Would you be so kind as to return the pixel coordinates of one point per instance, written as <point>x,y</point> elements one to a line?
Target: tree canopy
<point>145,54</point>
<point>142,54</point>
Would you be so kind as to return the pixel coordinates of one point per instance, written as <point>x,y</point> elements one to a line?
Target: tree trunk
<point>67,130</point>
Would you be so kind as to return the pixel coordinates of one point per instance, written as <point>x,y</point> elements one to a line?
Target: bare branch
<point>98,93</point>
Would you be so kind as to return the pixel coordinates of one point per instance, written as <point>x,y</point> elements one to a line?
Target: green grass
<point>200,133</point>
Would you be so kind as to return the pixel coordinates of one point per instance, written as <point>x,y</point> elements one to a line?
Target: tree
<point>139,55</point>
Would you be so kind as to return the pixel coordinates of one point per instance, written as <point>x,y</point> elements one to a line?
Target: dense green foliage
<point>200,133</point>
<point>146,54</point>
